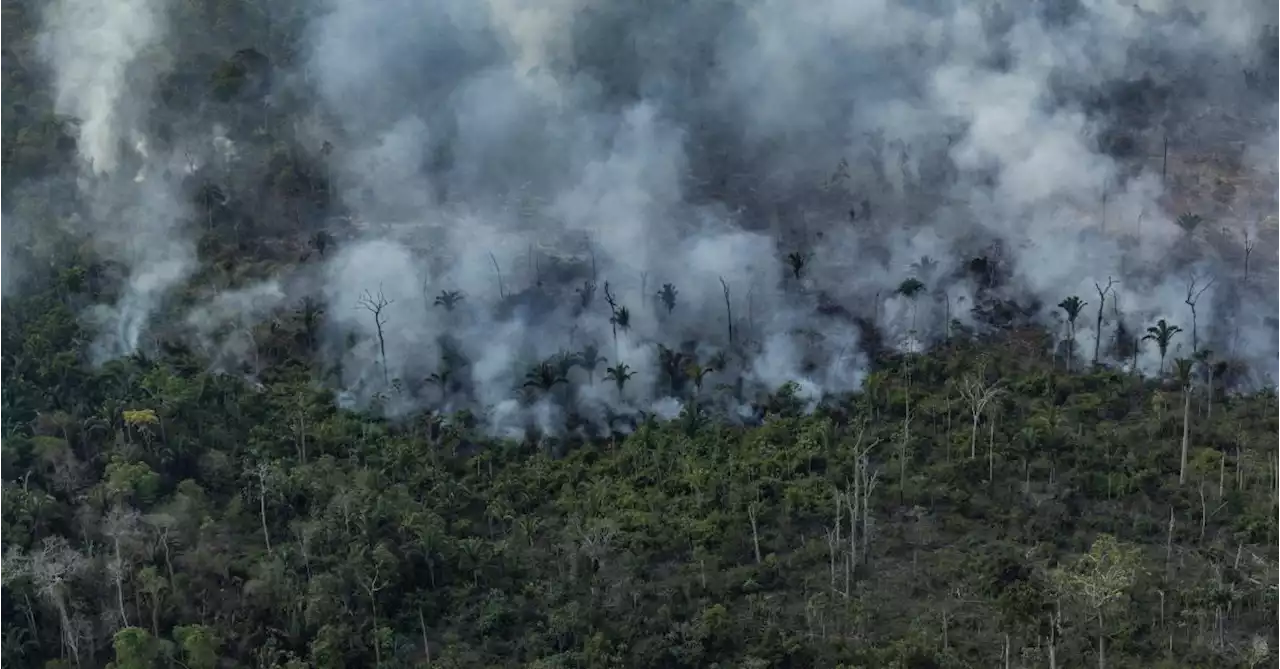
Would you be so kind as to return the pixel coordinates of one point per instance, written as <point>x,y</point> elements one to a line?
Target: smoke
<point>104,60</point>
<point>695,146</point>
<point>524,181</point>
<point>97,52</point>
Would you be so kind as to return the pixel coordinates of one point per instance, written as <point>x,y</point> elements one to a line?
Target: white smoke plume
<point>783,166</point>
<point>104,60</point>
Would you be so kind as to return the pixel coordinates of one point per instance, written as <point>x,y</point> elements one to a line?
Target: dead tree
<point>1102,300</point>
<point>978,395</point>
<point>502,291</point>
<point>376,305</point>
<point>1193,296</point>
<point>728,308</point>
<point>1248,251</point>
<point>121,526</point>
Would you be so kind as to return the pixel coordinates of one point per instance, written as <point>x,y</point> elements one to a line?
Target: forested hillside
<point>974,506</point>
<point>736,333</point>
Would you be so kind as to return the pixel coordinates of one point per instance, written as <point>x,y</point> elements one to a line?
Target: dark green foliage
<point>158,514</point>
<point>261,522</point>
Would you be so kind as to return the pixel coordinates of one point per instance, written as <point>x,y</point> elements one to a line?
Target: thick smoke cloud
<point>104,60</point>
<point>528,156</point>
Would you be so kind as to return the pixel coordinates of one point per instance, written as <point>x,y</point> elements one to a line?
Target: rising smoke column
<point>104,59</point>
<point>689,144</point>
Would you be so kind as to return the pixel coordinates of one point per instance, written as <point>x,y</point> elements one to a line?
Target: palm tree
<point>620,320</point>
<point>590,358</point>
<point>797,261</point>
<point>619,374</point>
<point>668,296</point>
<point>442,379</point>
<point>564,362</point>
<point>697,373</point>
<point>448,299</point>
<point>544,376</point>
<point>911,289</point>
<point>1072,306</point>
<point>586,293</point>
<point>672,363</point>
<point>719,361</point>
<point>1182,370</point>
<point>924,267</point>
<point>1189,222</point>
<point>1162,333</point>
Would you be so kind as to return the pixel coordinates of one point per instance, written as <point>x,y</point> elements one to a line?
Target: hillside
<point>735,333</point>
<point>193,518</point>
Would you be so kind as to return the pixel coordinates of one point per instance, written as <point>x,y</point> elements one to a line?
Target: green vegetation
<point>985,503</point>
<point>976,506</point>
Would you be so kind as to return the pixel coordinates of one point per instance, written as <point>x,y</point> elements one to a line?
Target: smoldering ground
<point>722,194</point>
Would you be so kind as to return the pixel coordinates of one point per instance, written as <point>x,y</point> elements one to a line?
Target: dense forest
<point>723,334</point>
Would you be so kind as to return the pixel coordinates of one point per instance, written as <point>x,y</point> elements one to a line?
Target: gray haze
<point>514,151</point>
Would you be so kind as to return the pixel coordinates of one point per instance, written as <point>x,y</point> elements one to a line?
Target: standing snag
<point>376,306</point>
<point>1193,296</point>
<point>1102,301</point>
<point>728,308</point>
<point>978,395</point>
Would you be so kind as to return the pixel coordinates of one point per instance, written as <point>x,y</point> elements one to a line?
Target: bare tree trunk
<point>1102,645</point>
<point>1186,432</point>
<point>728,308</point>
<point>755,530</point>
<point>1102,300</point>
<point>426,646</point>
<point>262,505</point>
<point>1054,619</point>
<point>973,438</point>
<point>120,581</point>
<point>854,500</point>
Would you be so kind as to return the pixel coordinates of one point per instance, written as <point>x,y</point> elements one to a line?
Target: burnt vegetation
<point>996,490</point>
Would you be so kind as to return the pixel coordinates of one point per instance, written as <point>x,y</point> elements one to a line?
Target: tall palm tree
<point>619,374</point>
<point>911,289</point>
<point>797,261</point>
<point>586,293</point>
<point>672,363</point>
<point>564,362</point>
<point>1162,333</point>
<point>590,359</point>
<point>924,267</point>
<point>544,376</point>
<point>448,299</point>
<point>1072,306</point>
<point>697,373</point>
<point>719,361</point>
<point>668,296</point>
<point>620,320</point>
<point>444,379</point>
